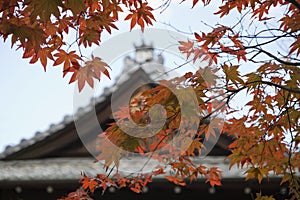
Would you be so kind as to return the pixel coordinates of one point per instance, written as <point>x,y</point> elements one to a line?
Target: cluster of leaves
<point>173,144</point>
<point>266,135</point>
<point>39,28</point>
<point>266,138</point>
<point>225,41</point>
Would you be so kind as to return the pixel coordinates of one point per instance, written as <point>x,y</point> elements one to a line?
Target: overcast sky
<point>32,99</point>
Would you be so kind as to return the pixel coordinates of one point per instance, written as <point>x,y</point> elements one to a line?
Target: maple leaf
<point>88,183</point>
<point>31,37</point>
<point>214,176</point>
<point>255,172</point>
<point>98,66</point>
<point>232,74</point>
<point>141,15</point>
<point>92,69</point>
<point>67,58</point>
<point>110,153</point>
<point>195,145</point>
<point>253,80</point>
<point>38,6</point>
<point>94,5</point>
<point>186,47</point>
<point>84,75</point>
<point>43,54</point>
<point>64,24</point>
<point>88,37</point>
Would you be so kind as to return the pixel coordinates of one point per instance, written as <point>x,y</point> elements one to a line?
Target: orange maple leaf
<point>67,58</point>
<point>141,15</point>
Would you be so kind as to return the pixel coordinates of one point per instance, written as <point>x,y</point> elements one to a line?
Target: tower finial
<point>143,45</point>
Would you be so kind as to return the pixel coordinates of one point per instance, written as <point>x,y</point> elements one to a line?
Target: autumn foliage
<point>266,132</point>
<point>40,28</point>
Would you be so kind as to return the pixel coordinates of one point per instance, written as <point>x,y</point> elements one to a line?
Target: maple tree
<point>266,136</point>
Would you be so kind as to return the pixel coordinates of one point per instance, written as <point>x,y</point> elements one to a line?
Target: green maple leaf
<point>232,74</point>
<point>44,8</point>
<point>23,33</point>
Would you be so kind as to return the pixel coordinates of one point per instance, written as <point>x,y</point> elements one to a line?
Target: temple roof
<point>71,168</point>
<point>58,153</point>
<point>68,119</point>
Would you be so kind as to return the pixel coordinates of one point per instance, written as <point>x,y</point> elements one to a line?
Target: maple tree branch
<point>292,138</point>
<point>256,46</point>
<point>270,31</point>
<point>290,57</point>
<point>262,37</point>
<point>267,42</point>
<point>278,59</point>
<point>206,24</point>
<point>163,6</point>
<point>241,19</point>
<point>215,97</point>
<point>293,90</point>
<point>176,29</point>
<point>177,67</point>
<point>252,58</point>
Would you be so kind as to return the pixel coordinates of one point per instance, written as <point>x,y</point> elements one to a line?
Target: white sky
<point>31,99</point>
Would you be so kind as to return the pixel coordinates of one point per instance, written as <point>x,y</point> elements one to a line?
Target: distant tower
<point>143,53</point>
<point>146,58</point>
